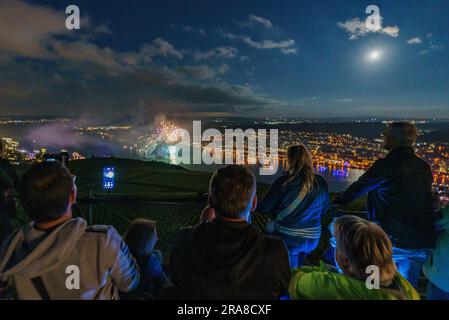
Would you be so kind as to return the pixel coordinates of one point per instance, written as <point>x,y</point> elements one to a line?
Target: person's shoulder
<point>100,228</point>
<point>280,180</point>
<point>321,282</point>
<point>320,181</point>
<point>406,292</point>
<point>4,245</point>
<point>6,165</point>
<point>101,231</point>
<point>185,233</point>
<point>423,162</point>
<point>312,282</point>
<point>274,245</point>
<point>383,160</point>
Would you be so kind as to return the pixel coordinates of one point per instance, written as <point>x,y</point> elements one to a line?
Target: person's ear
<point>254,204</point>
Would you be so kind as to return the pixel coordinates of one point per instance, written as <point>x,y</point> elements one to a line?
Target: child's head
<point>361,243</point>
<point>141,236</point>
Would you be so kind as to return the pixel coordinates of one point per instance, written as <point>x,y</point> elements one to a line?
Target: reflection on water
<point>338,178</point>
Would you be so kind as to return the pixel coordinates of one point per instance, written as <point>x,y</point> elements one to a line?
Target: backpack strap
<point>40,287</point>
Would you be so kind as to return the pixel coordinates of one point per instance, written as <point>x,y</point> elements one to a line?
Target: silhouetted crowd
<point>58,256</point>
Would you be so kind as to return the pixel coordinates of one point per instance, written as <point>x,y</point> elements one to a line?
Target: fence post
<point>89,208</point>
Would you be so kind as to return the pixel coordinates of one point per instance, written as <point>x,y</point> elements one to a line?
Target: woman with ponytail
<point>296,201</point>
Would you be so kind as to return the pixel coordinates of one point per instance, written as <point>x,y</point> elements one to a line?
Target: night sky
<point>225,58</point>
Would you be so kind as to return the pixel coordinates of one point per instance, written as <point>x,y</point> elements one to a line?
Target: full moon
<point>374,56</point>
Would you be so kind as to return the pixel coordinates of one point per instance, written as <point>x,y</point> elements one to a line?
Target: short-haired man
<point>228,258</point>
<point>399,189</point>
<point>362,247</point>
<point>57,256</point>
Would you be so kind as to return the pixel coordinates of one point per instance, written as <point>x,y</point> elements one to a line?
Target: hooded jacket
<point>101,256</point>
<point>229,260</point>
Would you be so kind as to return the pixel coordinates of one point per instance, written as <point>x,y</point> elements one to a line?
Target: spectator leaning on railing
<point>399,189</point>
<point>57,256</point>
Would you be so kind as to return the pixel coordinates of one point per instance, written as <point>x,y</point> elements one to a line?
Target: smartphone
<point>108,178</point>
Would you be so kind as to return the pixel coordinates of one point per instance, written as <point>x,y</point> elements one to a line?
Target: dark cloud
<point>100,91</point>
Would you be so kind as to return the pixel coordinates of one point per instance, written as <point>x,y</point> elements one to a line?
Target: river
<point>338,179</point>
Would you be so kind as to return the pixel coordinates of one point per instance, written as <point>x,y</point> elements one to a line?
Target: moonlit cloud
<point>286,46</point>
<point>254,20</point>
<point>303,101</point>
<point>344,100</point>
<point>38,38</point>
<point>223,69</point>
<point>432,48</point>
<point>86,52</point>
<point>414,41</point>
<point>190,29</point>
<point>203,72</point>
<point>28,37</point>
<point>289,50</point>
<point>216,53</point>
<point>356,28</point>
<point>30,31</point>
<point>260,20</point>
<point>162,48</point>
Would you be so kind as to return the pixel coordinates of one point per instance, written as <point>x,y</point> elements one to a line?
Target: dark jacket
<point>8,176</point>
<point>399,189</point>
<point>9,181</point>
<point>229,260</point>
<point>308,213</point>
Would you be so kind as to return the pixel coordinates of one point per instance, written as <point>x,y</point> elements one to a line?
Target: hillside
<point>151,180</point>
